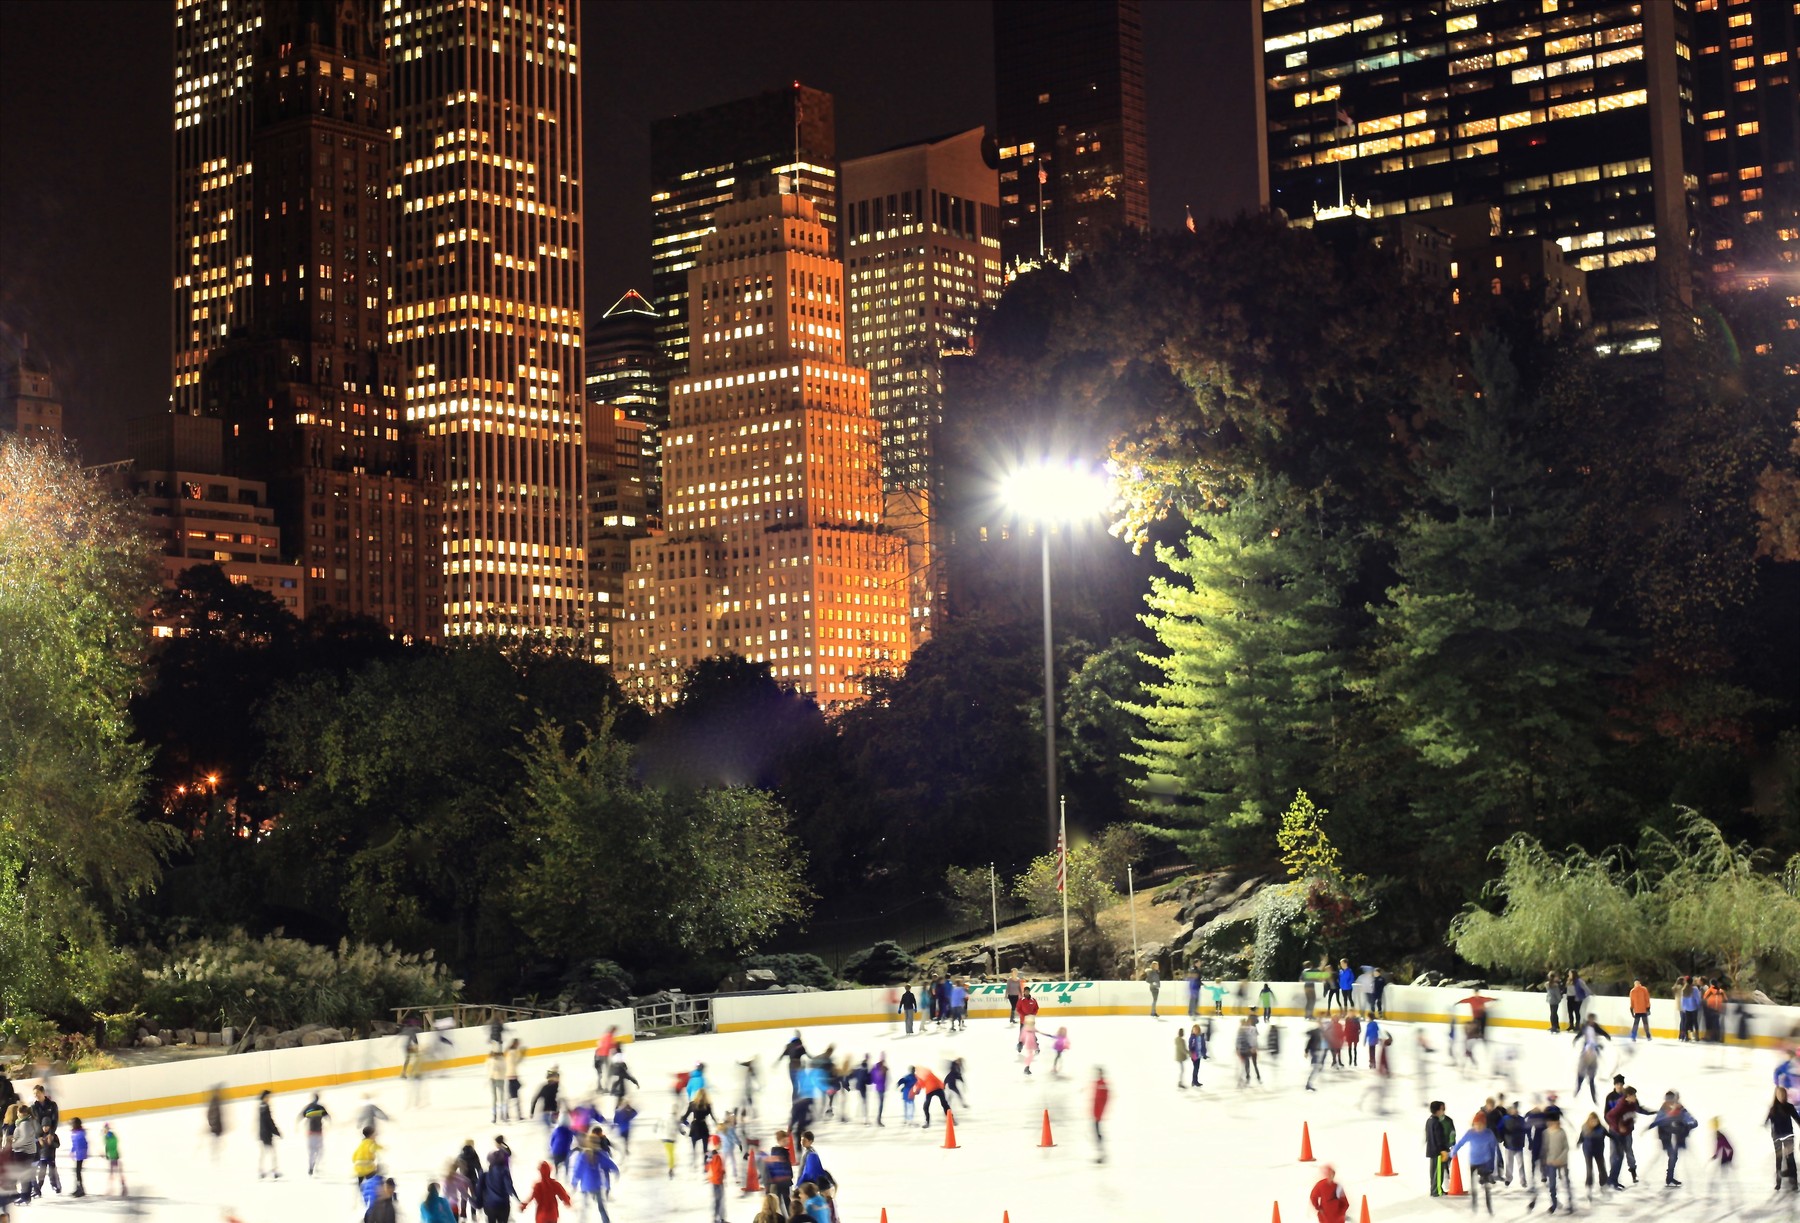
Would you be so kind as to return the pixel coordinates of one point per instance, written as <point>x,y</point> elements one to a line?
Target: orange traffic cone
<point>1365,1209</point>
<point>884,1214</point>
<point>1387,1161</point>
<point>949,1130</point>
<point>1277,1218</point>
<point>752,1183</point>
<point>1306,1155</point>
<point>1046,1140</point>
<point>1456,1186</point>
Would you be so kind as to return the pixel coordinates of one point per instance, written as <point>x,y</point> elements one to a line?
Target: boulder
<point>263,1044</point>
<point>287,1040</point>
<point>321,1036</point>
<point>149,1042</point>
<point>184,1036</point>
<point>166,1035</point>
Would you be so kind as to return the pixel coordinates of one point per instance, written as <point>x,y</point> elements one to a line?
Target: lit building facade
<point>1569,117</point>
<point>282,282</point>
<point>1069,109</point>
<point>773,546</point>
<point>197,516</point>
<point>618,513</point>
<point>921,259</point>
<point>700,160</point>
<point>29,403</point>
<point>486,322</point>
<point>624,371</point>
<point>213,262</point>
<point>1745,84</point>
<point>307,384</point>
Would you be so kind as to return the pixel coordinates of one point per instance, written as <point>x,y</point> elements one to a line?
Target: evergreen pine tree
<point>1486,668</point>
<point>1252,673</point>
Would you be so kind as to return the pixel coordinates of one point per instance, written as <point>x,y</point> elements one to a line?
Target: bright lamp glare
<point>1054,492</point>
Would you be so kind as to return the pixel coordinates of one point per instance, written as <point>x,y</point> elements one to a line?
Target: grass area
<point>1155,924</point>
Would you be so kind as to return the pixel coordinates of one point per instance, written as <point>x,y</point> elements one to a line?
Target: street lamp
<point>1047,493</point>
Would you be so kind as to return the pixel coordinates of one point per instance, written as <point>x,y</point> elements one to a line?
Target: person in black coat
<point>266,1133</point>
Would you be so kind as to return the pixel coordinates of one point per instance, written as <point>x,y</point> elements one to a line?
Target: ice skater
<point>1246,1052</point>
<point>1028,1035</point>
<point>266,1133</point>
<point>1329,1201</point>
<point>1483,1151</point>
<point>1102,1094</point>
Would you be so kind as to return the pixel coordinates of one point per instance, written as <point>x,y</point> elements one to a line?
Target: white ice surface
<point>1219,1153</point>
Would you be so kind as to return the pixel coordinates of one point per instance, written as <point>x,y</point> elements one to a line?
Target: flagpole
<point>994,899</point>
<point>1063,839</point>
<point>1131,894</point>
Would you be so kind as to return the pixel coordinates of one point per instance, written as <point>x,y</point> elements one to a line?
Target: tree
<point>1557,913</point>
<point>1251,696</point>
<point>1089,891</point>
<point>1306,850</point>
<point>1723,903</point>
<point>616,868</point>
<point>74,570</point>
<point>945,766</point>
<point>384,798</point>
<point>1487,669</point>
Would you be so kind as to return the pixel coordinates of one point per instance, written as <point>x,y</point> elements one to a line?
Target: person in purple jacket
<point>878,1081</point>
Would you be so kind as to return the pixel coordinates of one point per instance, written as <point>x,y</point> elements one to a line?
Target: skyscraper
<point>921,258</point>
<point>487,320</point>
<point>1569,117</point>
<point>287,341</point>
<point>1745,89</point>
<point>29,403</point>
<point>624,371</point>
<point>699,160</point>
<point>618,513</point>
<point>214,43</point>
<point>1069,104</point>
<point>773,545</point>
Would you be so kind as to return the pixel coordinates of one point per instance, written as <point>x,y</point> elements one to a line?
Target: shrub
<point>237,980</point>
<point>795,969</point>
<point>594,985</point>
<point>883,964</point>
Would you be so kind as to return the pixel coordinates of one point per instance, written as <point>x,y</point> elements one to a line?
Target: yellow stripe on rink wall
<point>114,1093</point>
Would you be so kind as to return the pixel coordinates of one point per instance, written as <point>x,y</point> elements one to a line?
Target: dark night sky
<point>86,125</point>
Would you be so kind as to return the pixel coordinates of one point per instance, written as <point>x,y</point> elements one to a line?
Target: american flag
<point>1062,862</point>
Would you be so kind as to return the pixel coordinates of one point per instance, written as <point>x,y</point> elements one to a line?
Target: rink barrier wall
<point>1772,1026</point>
<point>240,1076</point>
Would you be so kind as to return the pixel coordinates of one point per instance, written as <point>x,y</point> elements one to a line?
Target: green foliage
<point>795,968</point>
<point>613,866</point>
<point>1696,901</point>
<point>1719,902</point>
<point>1250,699</point>
<point>1089,868</point>
<point>1558,913</point>
<point>883,964</point>
<point>1487,669</point>
<point>73,571</point>
<point>236,980</point>
<point>946,767</point>
<point>969,893</point>
<point>1306,849</point>
<point>1280,930</point>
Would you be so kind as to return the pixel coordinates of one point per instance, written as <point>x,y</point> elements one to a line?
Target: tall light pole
<point>1047,493</point>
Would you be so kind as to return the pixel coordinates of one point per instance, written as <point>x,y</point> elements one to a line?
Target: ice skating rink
<point>1217,1153</point>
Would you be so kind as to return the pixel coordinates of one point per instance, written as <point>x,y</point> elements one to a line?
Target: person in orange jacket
<point>546,1194</point>
<point>1640,1009</point>
<point>931,1087</point>
<point>1328,1197</point>
<point>715,1176</point>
